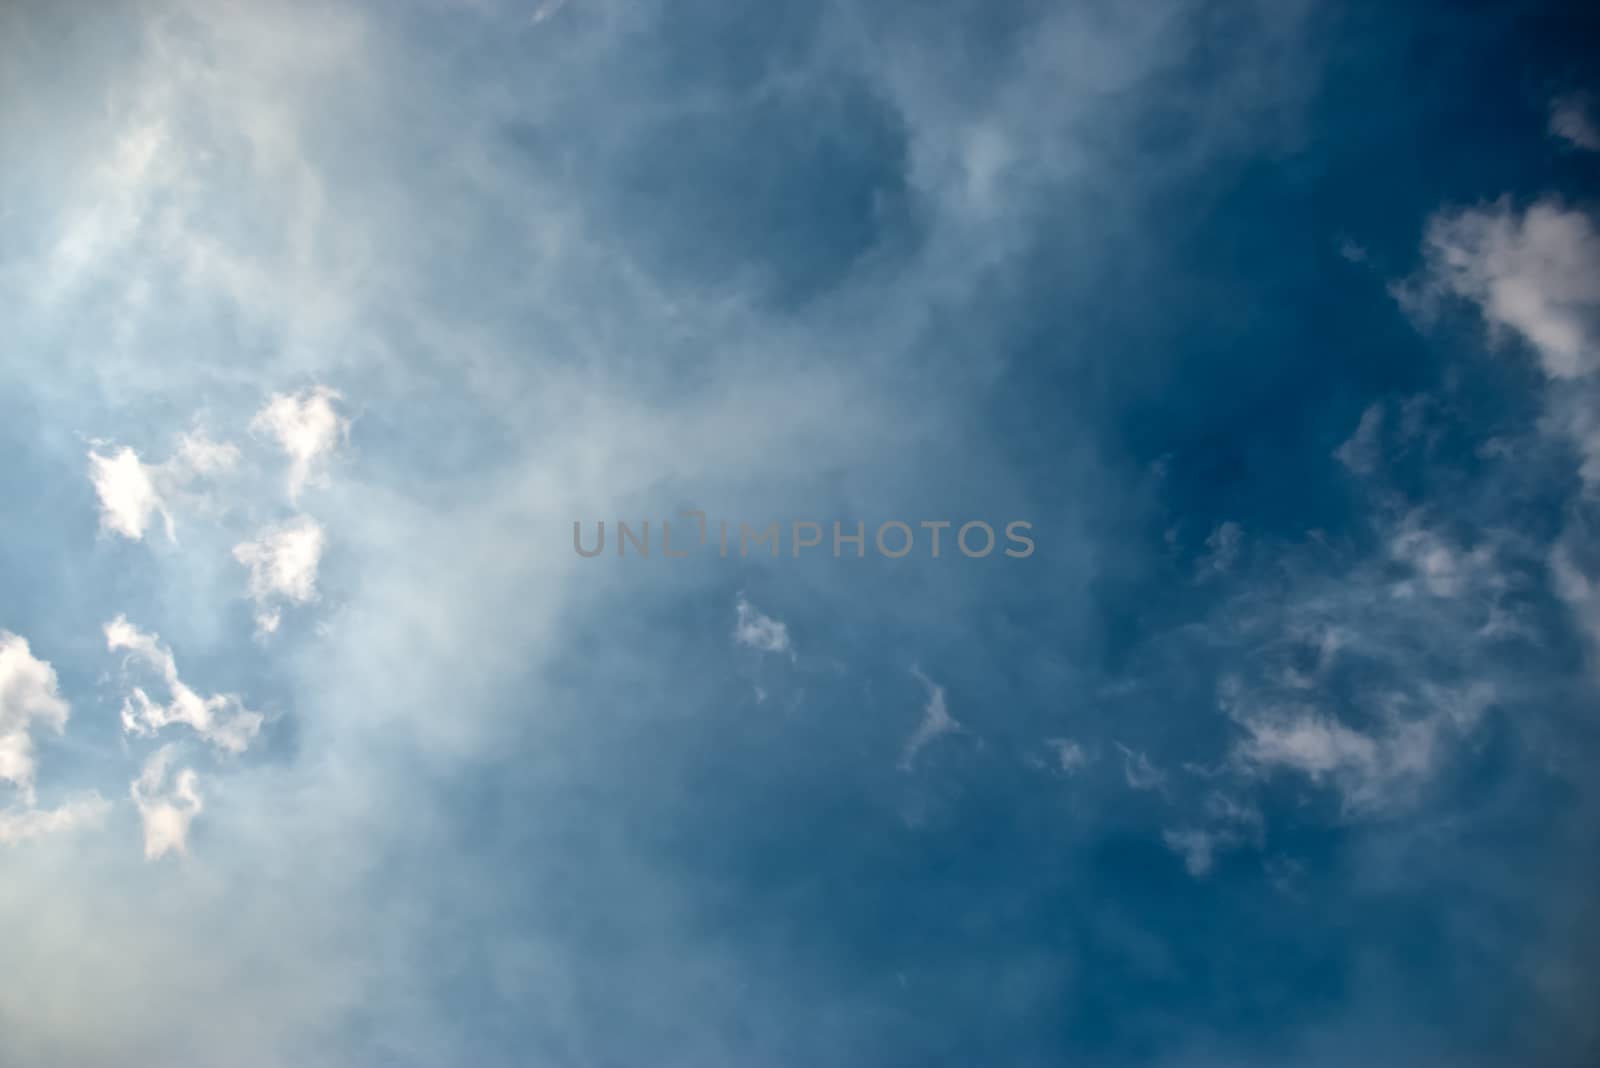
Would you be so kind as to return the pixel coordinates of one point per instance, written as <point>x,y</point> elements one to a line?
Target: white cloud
<point>127,492</point>
<point>29,697</point>
<point>1441,569</point>
<point>546,10</point>
<point>133,492</point>
<point>936,721</point>
<point>1241,819</point>
<point>1222,550</point>
<point>1195,846</point>
<point>758,631</point>
<point>1360,454</point>
<point>1308,743</point>
<point>1352,250</point>
<point>1069,754</point>
<point>1373,770</point>
<point>1535,272</point>
<point>198,455</point>
<point>1571,121</point>
<point>24,824</point>
<point>166,813</point>
<point>307,427</point>
<point>1230,825</point>
<point>1363,672</point>
<point>1579,590</point>
<point>283,563</point>
<point>236,239</point>
<point>1139,772</point>
<point>221,719</point>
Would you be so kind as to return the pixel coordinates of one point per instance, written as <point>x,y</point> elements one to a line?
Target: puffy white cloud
<point>936,721</point>
<point>1570,120</point>
<point>307,426</point>
<point>283,563</point>
<point>759,632</point>
<point>127,492</point>
<point>132,492</point>
<point>29,697</point>
<point>221,719</point>
<point>166,812</point>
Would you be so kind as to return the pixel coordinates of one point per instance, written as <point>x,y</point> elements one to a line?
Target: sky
<point>1268,737</point>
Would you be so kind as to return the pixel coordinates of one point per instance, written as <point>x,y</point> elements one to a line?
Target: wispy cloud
<point>1534,275</point>
<point>1361,452</point>
<point>936,722</point>
<point>221,719</point>
<point>24,823</point>
<point>1139,772</point>
<point>1572,120</point>
<point>1070,756</point>
<point>1222,550</point>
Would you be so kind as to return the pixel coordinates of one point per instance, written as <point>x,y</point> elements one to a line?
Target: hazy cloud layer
<point>326,323</point>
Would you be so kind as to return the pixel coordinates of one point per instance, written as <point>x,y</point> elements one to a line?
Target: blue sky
<point>324,323</point>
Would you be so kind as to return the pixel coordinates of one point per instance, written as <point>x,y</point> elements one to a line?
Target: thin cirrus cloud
<point>936,723</point>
